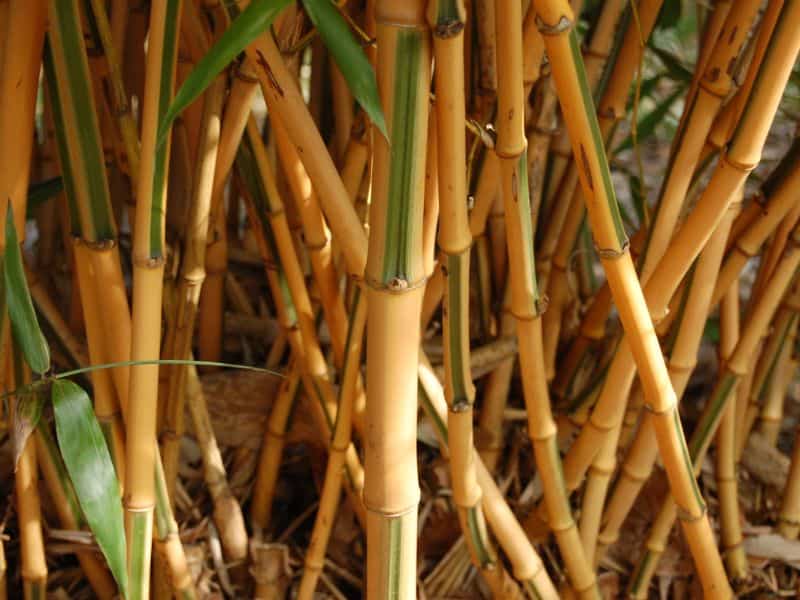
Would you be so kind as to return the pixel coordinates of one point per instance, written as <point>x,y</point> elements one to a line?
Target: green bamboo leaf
<point>675,68</point>
<point>24,324</point>
<point>89,465</point>
<point>349,57</point>
<point>648,123</point>
<point>27,413</point>
<point>670,14</point>
<point>42,191</point>
<point>251,23</point>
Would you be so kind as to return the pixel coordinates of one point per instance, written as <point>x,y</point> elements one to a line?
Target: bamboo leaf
<point>670,14</point>
<point>349,57</point>
<point>24,324</point>
<point>27,413</point>
<point>673,64</point>
<point>42,191</point>
<point>251,23</point>
<point>88,462</point>
<point>647,124</point>
<point>166,361</point>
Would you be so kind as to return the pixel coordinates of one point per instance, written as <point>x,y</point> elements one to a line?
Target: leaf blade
<point>27,414</point>
<point>24,324</point>
<point>251,23</point>
<point>93,476</point>
<point>349,57</point>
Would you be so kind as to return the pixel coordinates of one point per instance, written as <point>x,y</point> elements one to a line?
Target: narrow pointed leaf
<point>252,22</point>
<point>24,324</point>
<point>93,476</point>
<point>349,57</point>
<point>647,124</point>
<point>42,191</point>
<point>27,413</point>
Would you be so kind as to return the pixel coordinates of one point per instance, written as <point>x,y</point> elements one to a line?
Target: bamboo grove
<point>399,299</point>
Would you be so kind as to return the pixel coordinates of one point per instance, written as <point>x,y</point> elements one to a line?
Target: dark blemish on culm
<point>514,187</point>
<point>265,65</point>
<point>586,168</point>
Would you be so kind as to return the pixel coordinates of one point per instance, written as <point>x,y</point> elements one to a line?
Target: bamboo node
<point>563,25</point>
<point>448,29</point>
<point>729,549</point>
<point>613,253</point>
<point>460,405</point>
<point>739,166</point>
<point>395,285</point>
<point>568,524</point>
<point>527,316</point>
<point>588,51</point>
<point>541,304</point>
<point>318,247</point>
<point>676,367</point>
<point>686,515</point>
<point>791,304</point>
<point>240,73</point>
<point>390,514</point>
<point>672,405</point>
<point>149,262</point>
<point>738,247</point>
<point>100,245</point>
<point>546,131</point>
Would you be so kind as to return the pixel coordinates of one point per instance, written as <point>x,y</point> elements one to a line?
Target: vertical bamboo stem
<point>29,516</point>
<point>272,448</point>
<point>785,366</point>
<point>394,278</point>
<point>289,292</point>
<point>329,498</point>
<point>447,20</point>
<point>526,564</point>
<point>148,257</point>
<point>727,487</point>
<point>192,275</point>
<point>525,300</point>
<point>20,78</point>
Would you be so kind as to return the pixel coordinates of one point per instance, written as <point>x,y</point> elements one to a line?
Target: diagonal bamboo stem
<point>140,491</point>
<point>556,24</point>
<point>447,20</point>
<point>525,300</point>
<point>723,395</point>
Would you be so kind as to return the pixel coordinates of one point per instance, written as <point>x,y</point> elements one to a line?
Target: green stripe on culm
<point>393,558</point>
<point>61,140</point>
<point>140,541</point>
<point>68,46</point>
<point>477,533</point>
<point>403,201</point>
<point>166,83</point>
<point>458,319</point>
<point>712,414</point>
<point>597,140</point>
